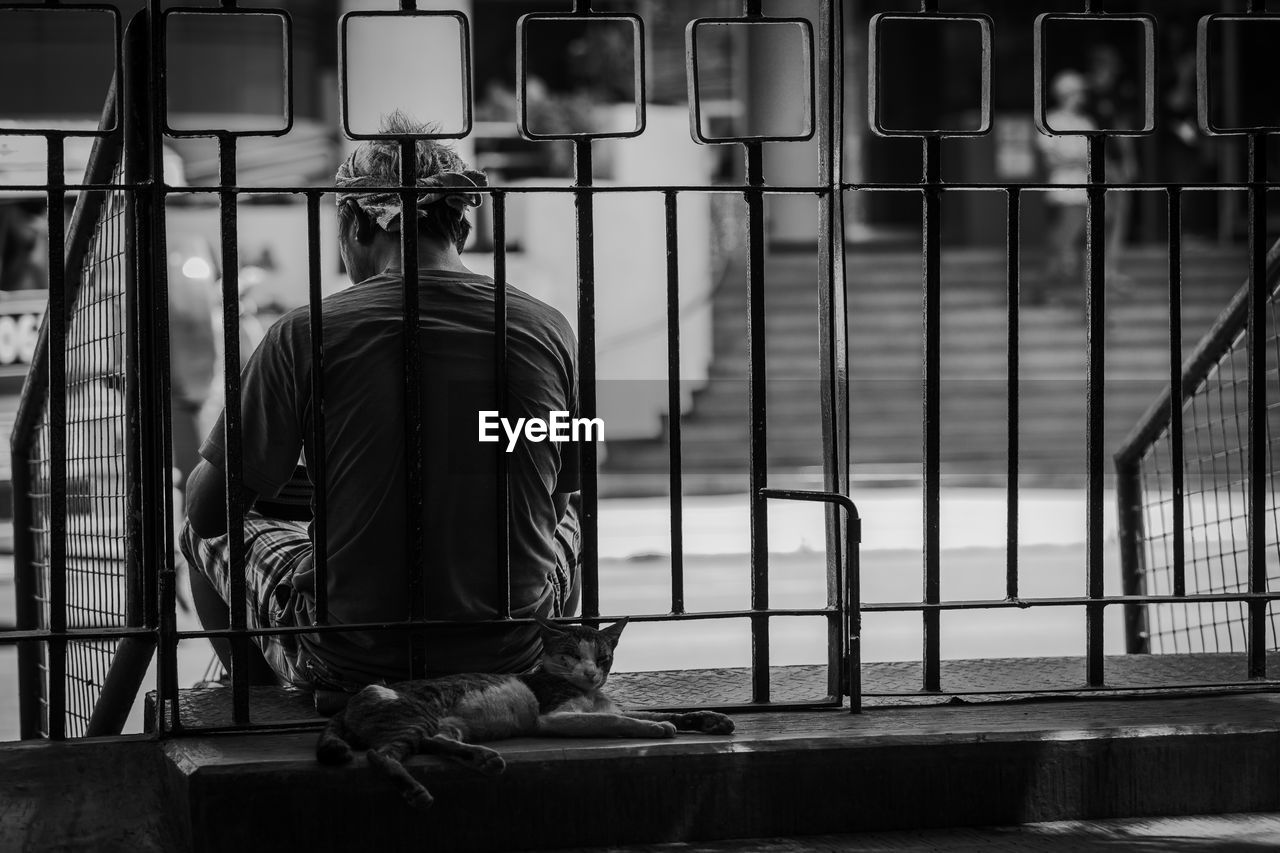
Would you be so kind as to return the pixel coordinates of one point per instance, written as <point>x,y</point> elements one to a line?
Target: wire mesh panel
<point>96,574</point>
<point>1215,525</point>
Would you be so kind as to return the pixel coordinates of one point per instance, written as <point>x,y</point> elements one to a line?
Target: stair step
<point>886,349</point>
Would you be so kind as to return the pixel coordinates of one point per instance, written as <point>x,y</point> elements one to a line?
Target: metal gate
<point>108,307</point>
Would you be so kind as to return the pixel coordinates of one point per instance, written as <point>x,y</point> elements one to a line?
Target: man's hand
<point>206,500</point>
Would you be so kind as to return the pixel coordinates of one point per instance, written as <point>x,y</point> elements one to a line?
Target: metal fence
<point>1186,492</point>
<point>76,458</point>
<point>122,455</point>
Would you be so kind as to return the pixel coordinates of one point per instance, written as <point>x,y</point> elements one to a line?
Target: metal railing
<point>1185,488</point>
<point>51,639</point>
<point>79,578</point>
<point>150,619</point>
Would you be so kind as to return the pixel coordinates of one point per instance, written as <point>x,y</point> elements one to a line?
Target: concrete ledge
<point>107,795</point>
<point>779,775</point>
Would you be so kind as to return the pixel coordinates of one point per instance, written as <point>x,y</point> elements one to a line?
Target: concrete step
<point>885,351</point>
<point>778,775</point>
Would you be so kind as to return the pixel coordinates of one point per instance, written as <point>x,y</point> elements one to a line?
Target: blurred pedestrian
<point>1065,161</point>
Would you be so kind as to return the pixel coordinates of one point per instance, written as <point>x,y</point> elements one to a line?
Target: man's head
<point>370,222</point>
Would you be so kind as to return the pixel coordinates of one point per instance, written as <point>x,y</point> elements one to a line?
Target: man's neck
<point>431,255</point>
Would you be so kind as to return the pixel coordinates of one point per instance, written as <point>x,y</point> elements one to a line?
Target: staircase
<point>885,370</point>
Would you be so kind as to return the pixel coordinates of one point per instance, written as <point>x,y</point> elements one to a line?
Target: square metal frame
<point>638,79</point>
<point>1148,23</point>
<point>1203,117</point>
<point>464,29</point>
<point>695,88</point>
<point>287,70</point>
<point>873,74</point>
<point>117,66</point>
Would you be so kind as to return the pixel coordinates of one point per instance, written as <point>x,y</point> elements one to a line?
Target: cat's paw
<point>490,764</point>
<point>666,729</point>
<point>711,722</point>
<point>420,799</point>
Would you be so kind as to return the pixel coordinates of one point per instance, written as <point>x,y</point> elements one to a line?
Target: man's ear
<point>361,224</point>
<point>614,631</point>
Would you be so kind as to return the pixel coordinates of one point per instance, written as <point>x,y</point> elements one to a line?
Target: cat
<point>561,698</point>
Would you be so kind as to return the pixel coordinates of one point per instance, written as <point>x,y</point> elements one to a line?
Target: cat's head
<point>579,654</point>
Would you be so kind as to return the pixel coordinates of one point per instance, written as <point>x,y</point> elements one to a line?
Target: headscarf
<point>442,177</point>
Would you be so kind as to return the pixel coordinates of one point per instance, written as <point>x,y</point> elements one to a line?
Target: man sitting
<point>368,568</point>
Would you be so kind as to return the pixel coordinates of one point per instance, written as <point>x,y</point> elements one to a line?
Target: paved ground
<point>1238,833</point>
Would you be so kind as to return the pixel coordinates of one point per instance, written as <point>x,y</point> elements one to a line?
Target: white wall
<point>630,270</point>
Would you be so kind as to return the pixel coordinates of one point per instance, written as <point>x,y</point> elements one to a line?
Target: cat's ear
<point>614,631</point>
<point>547,625</point>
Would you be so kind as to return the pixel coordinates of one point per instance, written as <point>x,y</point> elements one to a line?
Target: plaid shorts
<point>278,557</point>
<point>275,551</point>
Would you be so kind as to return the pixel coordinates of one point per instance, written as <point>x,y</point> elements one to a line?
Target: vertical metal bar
<point>832,335</point>
<point>1130,535</point>
<point>932,224</point>
<point>585,221</point>
<point>1176,452</point>
<point>502,520</point>
<point>144,162</point>
<point>233,428</point>
<point>27,609</point>
<point>412,353</point>
<point>1013,290</point>
<point>1095,344</point>
<point>853,609</point>
<point>759,445</point>
<point>674,402</point>
<point>1228,165</point>
<point>142,571</point>
<point>58,315</point>
<point>1257,338</point>
<point>317,468</point>
<point>141,602</point>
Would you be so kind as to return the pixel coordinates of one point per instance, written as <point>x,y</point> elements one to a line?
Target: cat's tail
<point>332,747</point>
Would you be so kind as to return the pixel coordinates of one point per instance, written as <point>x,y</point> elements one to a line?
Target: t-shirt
<point>365,461</point>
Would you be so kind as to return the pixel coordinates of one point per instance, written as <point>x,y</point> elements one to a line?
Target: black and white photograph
<point>787,426</point>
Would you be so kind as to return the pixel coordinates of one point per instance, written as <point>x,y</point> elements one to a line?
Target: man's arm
<point>561,500</point>
<point>207,500</point>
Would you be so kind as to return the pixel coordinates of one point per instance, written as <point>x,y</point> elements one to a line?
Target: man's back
<point>368,569</point>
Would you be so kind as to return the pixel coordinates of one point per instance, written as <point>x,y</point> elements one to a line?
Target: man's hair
<point>378,161</point>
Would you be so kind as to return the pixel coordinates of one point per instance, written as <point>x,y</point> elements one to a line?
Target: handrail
<point>1154,423</point>
<point>103,157</point>
<point>1197,367</point>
